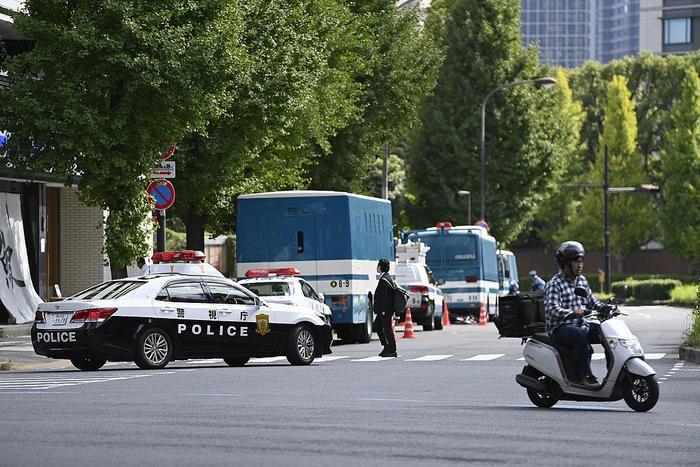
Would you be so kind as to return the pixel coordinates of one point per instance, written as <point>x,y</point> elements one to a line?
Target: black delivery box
<point>520,315</point>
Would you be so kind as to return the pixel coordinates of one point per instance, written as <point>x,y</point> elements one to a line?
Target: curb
<point>690,354</point>
<point>16,330</point>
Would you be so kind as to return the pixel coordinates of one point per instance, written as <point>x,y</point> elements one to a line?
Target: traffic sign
<point>162,192</point>
<point>167,151</point>
<point>165,169</point>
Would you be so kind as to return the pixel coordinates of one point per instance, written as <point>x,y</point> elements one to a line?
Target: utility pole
<point>385,173</point>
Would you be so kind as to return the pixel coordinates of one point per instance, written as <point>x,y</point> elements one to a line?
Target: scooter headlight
<point>632,345</point>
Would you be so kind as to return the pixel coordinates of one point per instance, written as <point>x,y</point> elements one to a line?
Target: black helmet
<point>568,252</point>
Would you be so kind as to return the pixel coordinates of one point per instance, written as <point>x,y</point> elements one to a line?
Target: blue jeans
<point>570,335</point>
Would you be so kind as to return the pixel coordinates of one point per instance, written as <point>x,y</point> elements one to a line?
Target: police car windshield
<point>269,289</point>
<point>108,290</point>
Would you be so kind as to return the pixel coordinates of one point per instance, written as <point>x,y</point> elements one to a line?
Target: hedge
<point>646,289</point>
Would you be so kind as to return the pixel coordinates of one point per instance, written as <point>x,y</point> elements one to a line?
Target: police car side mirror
<point>441,281</point>
<point>258,302</point>
<point>321,297</point>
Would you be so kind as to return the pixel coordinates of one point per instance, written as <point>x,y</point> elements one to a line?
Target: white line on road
<point>654,356</point>
<point>17,348</point>
<point>330,358</point>
<point>201,361</point>
<point>267,359</point>
<point>484,357</point>
<point>375,358</point>
<point>429,358</point>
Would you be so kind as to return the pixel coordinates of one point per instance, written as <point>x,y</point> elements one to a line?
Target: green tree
<point>553,214</point>
<point>680,215</point>
<point>632,217</point>
<point>399,66</point>
<point>524,127</point>
<point>106,84</point>
<point>297,91</point>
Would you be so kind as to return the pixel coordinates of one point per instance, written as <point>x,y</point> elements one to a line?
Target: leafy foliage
<point>631,216</point>
<point>681,173</point>
<point>525,127</point>
<point>105,85</point>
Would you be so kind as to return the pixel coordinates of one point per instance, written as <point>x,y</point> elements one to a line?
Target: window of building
<point>677,31</point>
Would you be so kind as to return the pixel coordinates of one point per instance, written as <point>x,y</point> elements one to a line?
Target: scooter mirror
<point>581,292</point>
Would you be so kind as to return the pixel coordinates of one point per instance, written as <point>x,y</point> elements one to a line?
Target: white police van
<point>166,316</point>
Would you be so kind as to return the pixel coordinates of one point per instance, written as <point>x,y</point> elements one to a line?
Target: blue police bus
<point>335,240</point>
<point>463,259</point>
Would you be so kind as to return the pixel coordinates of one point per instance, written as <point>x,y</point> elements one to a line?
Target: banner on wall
<point>16,289</point>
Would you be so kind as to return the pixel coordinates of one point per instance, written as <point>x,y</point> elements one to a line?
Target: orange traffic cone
<point>445,315</point>
<point>408,327</point>
<point>483,318</point>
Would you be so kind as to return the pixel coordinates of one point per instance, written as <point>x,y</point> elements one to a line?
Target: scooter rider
<point>564,310</point>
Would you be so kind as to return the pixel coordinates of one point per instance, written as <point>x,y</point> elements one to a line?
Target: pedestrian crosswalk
<point>37,381</point>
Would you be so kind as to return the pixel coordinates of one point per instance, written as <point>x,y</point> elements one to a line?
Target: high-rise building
<point>569,32</point>
<point>670,26</point>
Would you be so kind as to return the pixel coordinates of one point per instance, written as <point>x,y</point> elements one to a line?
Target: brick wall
<point>82,240</point>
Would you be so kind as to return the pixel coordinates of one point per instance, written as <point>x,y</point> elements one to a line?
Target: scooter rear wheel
<point>641,392</point>
<point>540,399</point>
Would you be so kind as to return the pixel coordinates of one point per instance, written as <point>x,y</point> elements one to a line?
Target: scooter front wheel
<point>540,399</point>
<point>641,392</point>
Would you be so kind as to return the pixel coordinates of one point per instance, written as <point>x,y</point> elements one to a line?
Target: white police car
<point>282,286</point>
<point>171,316</point>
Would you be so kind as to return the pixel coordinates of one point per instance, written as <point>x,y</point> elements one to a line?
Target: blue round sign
<point>162,192</point>
<point>3,139</point>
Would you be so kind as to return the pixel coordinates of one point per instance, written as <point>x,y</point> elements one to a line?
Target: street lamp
<point>607,190</point>
<point>468,194</point>
<point>544,82</point>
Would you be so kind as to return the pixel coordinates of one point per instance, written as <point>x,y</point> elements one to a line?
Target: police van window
<point>191,292</point>
<point>269,289</point>
<point>228,294</point>
<point>108,290</point>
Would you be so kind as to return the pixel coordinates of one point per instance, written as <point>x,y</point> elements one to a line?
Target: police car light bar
<point>189,256</point>
<point>445,225</point>
<point>251,273</point>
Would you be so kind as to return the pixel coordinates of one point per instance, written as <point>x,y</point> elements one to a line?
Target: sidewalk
<point>15,330</point>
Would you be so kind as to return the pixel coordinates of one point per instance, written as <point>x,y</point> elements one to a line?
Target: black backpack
<point>399,297</point>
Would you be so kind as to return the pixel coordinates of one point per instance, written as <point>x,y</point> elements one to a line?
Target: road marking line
<point>483,358</point>
<point>654,356</point>
<point>18,348</point>
<point>662,379</point>
<point>330,358</point>
<point>429,358</point>
<point>521,359</point>
<point>266,359</point>
<point>375,358</point>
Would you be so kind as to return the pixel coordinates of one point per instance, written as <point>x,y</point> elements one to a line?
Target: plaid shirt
<point>560,301</point>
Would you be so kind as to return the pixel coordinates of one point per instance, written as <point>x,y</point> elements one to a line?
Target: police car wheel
<point>88,363</point>
<point>301,346</point>
<point>236,361</point>
<point>154,348</point>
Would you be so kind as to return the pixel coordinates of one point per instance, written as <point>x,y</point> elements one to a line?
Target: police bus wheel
<point>236,361</point>
<point>154,348</point>
<point>301,346</point>
<point>87,363</point>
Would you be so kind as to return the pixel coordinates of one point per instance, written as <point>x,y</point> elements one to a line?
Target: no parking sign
<point>162,192</point>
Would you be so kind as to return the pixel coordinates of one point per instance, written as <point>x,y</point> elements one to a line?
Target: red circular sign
<point>162,192</point>
<point>168,151</point>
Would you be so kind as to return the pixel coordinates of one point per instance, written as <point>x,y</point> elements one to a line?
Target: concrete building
<point>569,32</point>
<point>670,26</point>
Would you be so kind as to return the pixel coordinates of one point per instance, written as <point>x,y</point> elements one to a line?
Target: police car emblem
<point>263,322</point>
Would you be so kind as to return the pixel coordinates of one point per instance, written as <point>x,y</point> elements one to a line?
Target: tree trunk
<point>194,225</point>
<point>117,273</point>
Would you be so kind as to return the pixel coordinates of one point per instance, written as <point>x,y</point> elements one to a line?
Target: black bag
<point>400,299</point>
<point>520,315</point>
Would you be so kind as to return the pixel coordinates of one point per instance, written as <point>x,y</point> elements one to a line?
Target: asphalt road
<point>450,398</point>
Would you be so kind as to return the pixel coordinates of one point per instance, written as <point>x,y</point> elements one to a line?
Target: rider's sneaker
<point>590,381</point>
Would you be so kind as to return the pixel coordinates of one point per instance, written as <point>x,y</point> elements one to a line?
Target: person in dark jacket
<point>384,309</point>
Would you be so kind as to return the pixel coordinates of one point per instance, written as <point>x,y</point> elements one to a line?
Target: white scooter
<point>546,375</point>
